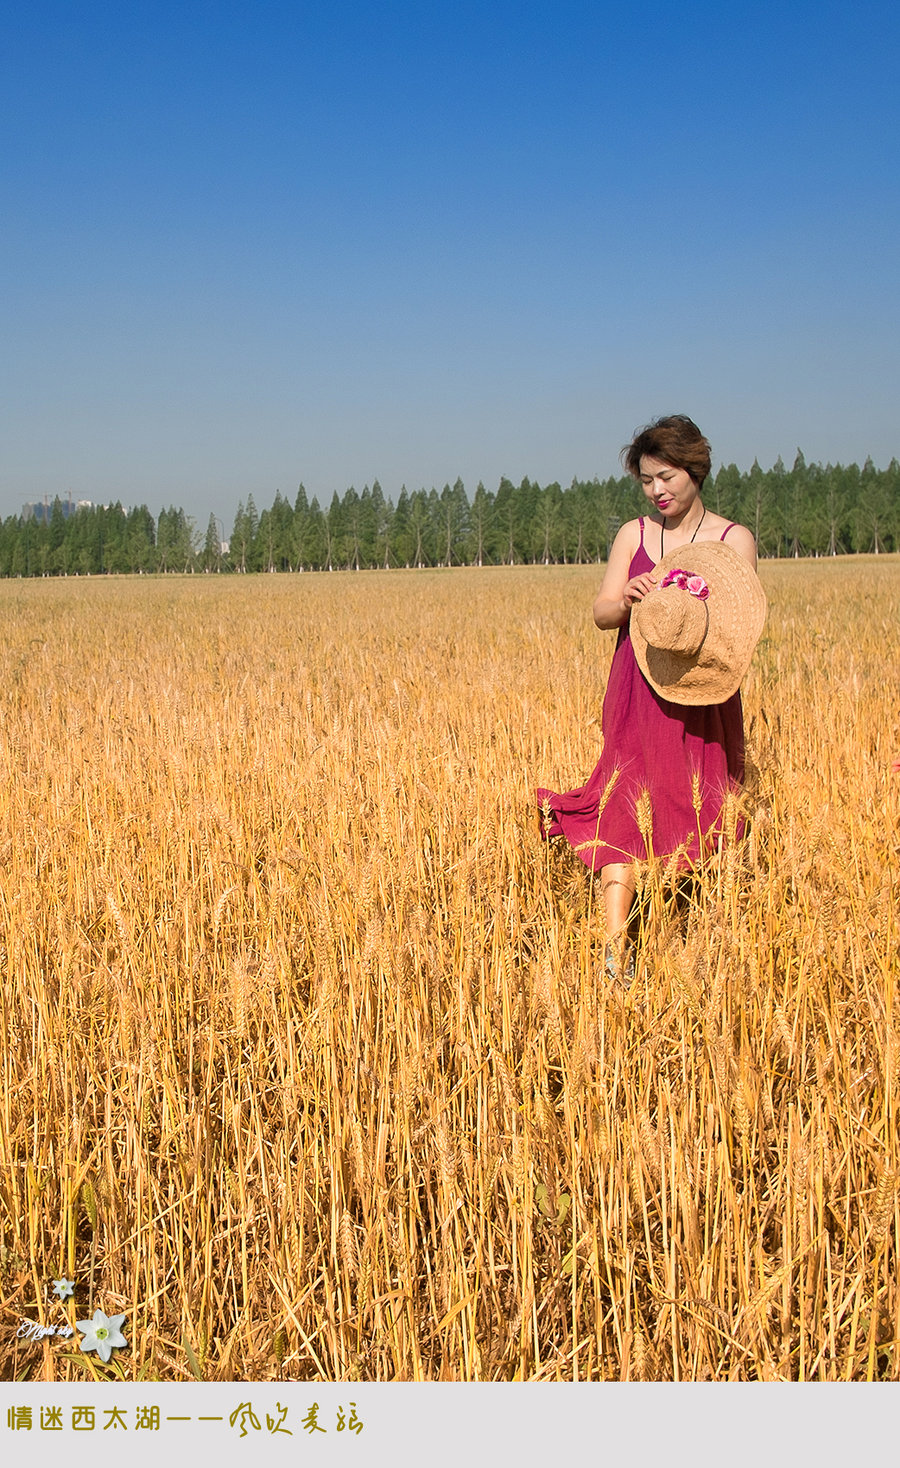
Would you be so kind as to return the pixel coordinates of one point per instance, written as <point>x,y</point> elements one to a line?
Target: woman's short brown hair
<point>675,440</point>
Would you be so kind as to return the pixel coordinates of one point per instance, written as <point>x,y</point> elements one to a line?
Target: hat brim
<point>737,612</point>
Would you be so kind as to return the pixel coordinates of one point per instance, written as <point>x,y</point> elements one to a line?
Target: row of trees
<point>806,510</point>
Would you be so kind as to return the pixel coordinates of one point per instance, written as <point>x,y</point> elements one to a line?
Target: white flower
<point>102,1333</point>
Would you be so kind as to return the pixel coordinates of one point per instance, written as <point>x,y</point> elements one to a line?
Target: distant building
<point>41,510</point>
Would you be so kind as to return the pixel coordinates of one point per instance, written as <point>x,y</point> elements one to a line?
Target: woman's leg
<point>618,886</point>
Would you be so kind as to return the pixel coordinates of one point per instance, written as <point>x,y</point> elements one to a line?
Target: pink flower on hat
<point>685,582</point>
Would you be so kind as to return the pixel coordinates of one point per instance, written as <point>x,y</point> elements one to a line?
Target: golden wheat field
<point>309,1067</point>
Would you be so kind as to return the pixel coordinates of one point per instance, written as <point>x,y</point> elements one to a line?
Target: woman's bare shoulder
<point>741,539</point>
<point>628,535</point>
<point>717,528</point>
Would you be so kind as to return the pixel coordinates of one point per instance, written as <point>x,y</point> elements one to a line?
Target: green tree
<point>314,538</point>
<point>402,530</point>
<point>726,492</point>
<point>382,523</point>
<point>333,527</point>
<point>773,517</point>
<point>350,548</point>
<point>211,555</point>
<point>580,512</point>
<point>174,541</point>
<point>184,547</point>
<point>82,542</point>
<point>419,527</point>
<point>549,535</point>
<point>139,540</point>
<point>9,535</point>
<point>299,529</point>
<point>480,518</point>
<point>20,559</point>
<point>876,514</point>
<point>113,534</point>
<point>528,536</point>
<point>452,522</point>
<point>241,543</point>
<point>507,528</point>
<point>813,519</point>
<point>281,533</point>
<point>795,506</point>
<point>254,550</point>
<point>754,495</point>
<point>164,542</point>
<point>266,556</point>
<point>58,556</point>
<point>9,540</point>
<point>609,510</point>
<point>41,549</point>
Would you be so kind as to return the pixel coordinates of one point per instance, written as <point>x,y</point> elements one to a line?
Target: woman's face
<point>671,491</point>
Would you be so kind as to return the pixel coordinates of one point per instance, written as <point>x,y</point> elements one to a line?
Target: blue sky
<point>244,246</point>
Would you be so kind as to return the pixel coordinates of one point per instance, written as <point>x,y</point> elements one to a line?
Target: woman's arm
<point>618,593</point>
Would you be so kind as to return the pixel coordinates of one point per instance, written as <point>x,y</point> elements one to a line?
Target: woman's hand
<point>636,589</point>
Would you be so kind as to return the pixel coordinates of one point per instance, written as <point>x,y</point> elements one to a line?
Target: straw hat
<point>694,633</point>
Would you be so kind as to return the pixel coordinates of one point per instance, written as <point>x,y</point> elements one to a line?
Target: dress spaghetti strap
<point>641,523</point>
<point>727,528</point>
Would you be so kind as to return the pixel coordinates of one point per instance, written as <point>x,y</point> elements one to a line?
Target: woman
<point>666,765</point>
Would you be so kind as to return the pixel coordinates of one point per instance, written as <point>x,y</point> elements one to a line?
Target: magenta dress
<point>655,746</point>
